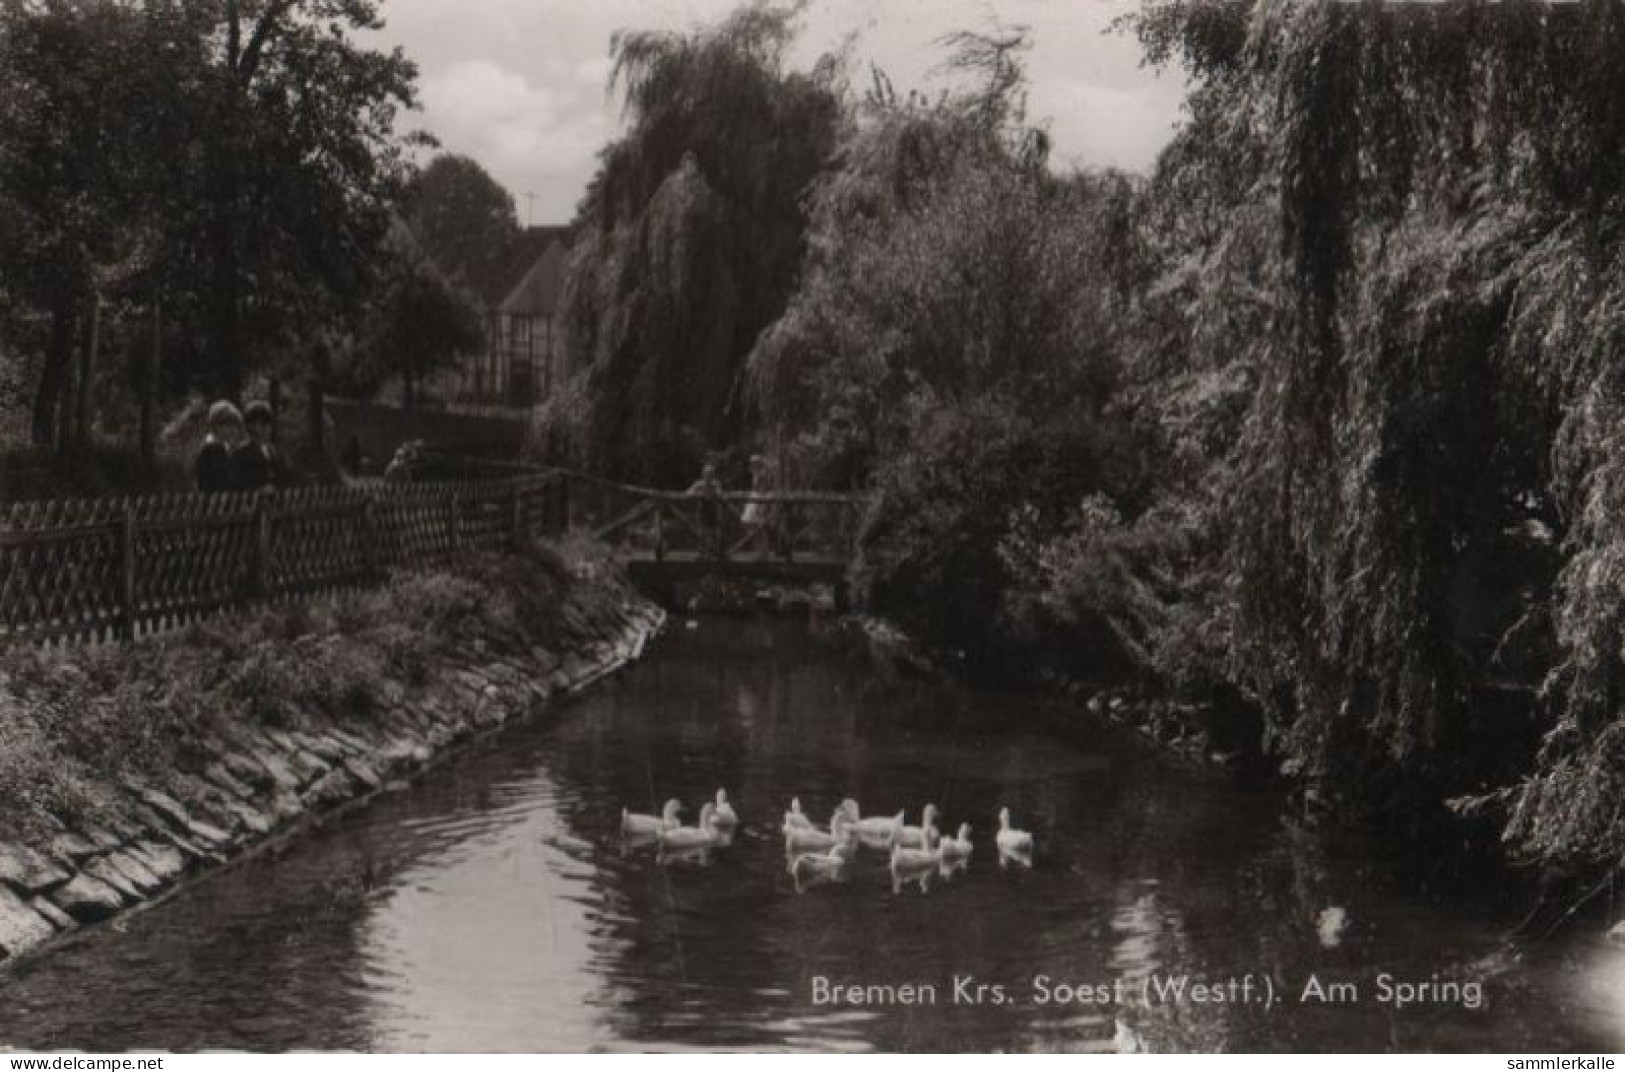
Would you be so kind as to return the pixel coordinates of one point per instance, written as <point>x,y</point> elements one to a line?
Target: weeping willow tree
<point>690,236</point>
<point>953,342</point>
<point>1426,499</point>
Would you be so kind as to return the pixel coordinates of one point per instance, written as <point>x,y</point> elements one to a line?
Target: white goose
<point>821,864</point>
<point>873,830</point>
<point>1012,842</point>
<point>956,848</point>
<point>923,836</point>
<point>811,839</point>
<point>633,823</point>
<point>692,837</point>
<point>725,814</point>
<point>795,819</point>
<point>910,865</point>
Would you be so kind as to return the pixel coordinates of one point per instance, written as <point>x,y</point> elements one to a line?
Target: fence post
<point>719,530</point>
<point>369,539</point>
<point>127,609</point>
<point>519,531</point>
<point>262,545</point>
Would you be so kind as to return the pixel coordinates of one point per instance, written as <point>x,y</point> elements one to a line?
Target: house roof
<point>538,290</point>
<point>520,269</point>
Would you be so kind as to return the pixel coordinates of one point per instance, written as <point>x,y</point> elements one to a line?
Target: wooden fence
<point>101,569</point>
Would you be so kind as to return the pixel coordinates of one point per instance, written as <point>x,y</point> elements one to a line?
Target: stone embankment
<point>243,784</point>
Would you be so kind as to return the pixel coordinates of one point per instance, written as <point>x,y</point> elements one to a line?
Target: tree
<point>230,163</point>
<point>953,342</point>
<point>77,209</point>
<point>300,168</point>
<point>690,236</point>
<point>1426,486</point>
<point>463,218</point>
<point>418,324</point>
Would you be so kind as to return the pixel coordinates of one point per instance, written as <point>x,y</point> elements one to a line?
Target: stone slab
<point>53,915</point>
<point>87,899</point>
<point>164,861</point>
<point>28,871</point>
<point>135,872</point>
<point>72,848</point>
<point>104,871</point>
<point>167,807</point>
<point>21,927</point>
<point>364,773</point>
<point>331,789</point>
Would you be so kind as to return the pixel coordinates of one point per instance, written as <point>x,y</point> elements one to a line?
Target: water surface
<point>492,906</point>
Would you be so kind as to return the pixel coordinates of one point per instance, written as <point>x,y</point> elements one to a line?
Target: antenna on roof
<point>530,209</point>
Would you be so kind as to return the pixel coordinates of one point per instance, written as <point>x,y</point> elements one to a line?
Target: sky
<point>519,85</point>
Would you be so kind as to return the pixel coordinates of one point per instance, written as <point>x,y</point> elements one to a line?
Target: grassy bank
<point>121,769</point>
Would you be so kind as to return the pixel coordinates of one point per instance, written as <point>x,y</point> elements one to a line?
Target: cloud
<point>520,84</point>
<point>534,138</point>
<point>1094,125</point>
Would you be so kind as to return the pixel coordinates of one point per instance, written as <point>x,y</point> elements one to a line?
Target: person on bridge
<point>708,487</point>
<point>213,470</point>
<point>707,484</point>
<point>758,517</point>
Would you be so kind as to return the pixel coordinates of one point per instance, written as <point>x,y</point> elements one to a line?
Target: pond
<point>493,905</point>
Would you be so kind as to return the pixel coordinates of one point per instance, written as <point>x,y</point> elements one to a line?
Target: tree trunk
<point>227,322</point>
<point>316,419</point>
<point>54,376</point>
<point>83,408</point>
<point>149,390</point>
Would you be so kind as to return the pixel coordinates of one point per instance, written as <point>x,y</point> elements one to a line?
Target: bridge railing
<point>89,570</point>
<point>721,527</point>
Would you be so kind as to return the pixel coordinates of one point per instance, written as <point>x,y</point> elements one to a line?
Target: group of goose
<point>816,852</point>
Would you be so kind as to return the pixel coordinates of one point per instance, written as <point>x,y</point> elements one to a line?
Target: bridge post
<point>660,531</point>
<point>719,532</point>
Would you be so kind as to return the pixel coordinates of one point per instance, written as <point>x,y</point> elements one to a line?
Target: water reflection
<point>499,906</point>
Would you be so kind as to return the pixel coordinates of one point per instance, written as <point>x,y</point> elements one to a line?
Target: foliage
<point>211,179</point>
<point>953,343</point>
<point>418,322</point>
<point>1437,319</point>
<point>689,239</point>
<point>463,218</point>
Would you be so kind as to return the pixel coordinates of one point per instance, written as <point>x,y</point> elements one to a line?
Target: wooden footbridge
<point>89,570</point>
<point>668,537</point>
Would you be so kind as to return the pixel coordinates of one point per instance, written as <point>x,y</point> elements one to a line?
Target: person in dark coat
<point>215,469</point>
<point>257,461</point>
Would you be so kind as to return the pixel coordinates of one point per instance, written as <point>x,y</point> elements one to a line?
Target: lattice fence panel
<point>417,529</point>
<point>193,556</point>
<point>61,584</point>
<point>486,519</point>
<point>319,540</point>
<point>93,569</point>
